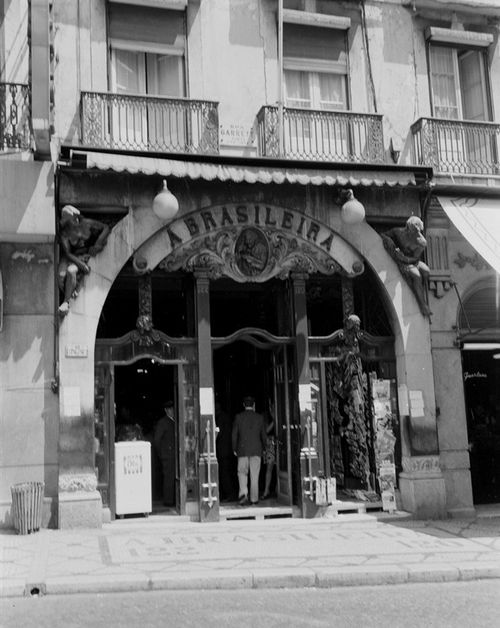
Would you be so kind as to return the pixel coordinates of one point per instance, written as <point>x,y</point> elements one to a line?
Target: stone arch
<point>140,231</point>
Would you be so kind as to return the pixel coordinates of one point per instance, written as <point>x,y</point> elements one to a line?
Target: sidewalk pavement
<point>172,553</point>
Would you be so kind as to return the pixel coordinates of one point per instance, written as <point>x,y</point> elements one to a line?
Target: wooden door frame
<point>178,365</point>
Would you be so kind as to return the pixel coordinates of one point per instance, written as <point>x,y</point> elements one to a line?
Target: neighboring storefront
<point>464,257</point>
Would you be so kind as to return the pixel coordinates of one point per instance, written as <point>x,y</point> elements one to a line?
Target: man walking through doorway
<point>249,441</point>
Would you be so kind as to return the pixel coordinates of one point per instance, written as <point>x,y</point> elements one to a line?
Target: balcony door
<point>315,82</point>
<point>314,132</point>
<point>145,120</point>
<point>459,92</point>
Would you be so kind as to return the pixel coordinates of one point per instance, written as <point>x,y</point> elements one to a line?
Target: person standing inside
<point>249,440</point>
<point>164,444</point>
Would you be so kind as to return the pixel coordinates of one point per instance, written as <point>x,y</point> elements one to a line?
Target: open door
<point>285,424</point>
<point>104,434</point>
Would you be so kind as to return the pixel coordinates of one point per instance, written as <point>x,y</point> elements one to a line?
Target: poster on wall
<point>385,441</point>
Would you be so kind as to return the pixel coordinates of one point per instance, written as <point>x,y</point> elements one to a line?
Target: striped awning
<point>478,220</point>
<point>238,173</point>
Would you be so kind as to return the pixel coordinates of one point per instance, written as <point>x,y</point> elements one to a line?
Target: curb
<point>260,579</point>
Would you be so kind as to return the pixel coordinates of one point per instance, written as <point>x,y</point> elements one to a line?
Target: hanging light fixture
<point>165,205</point>
<point>353,212</point>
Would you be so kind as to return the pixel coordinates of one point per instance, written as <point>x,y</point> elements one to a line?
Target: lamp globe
<point>353,212</point>
<point>165,205</point>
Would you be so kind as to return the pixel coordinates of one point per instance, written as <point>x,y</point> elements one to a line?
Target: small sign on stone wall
<point>76,351</point>
<point>235,135</point>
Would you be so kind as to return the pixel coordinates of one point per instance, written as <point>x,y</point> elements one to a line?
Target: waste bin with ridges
<point>27,503</point>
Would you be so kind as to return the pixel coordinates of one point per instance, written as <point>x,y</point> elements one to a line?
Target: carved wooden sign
<point>251,242</point>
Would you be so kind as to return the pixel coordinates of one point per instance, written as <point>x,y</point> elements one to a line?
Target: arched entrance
<point>248,245</point>
<point>254,350</point>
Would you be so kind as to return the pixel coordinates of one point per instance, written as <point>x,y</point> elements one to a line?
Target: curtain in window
<point>297,89</point>
<point>332,91</point>
<point>444,82</point>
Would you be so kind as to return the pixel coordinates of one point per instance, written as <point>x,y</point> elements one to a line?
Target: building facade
<point>297,138</point>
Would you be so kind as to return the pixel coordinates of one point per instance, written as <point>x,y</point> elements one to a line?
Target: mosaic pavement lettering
<point>286,553</point>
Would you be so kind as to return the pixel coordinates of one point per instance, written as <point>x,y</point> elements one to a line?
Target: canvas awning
<point>478,220</point>
<point>242,173</point>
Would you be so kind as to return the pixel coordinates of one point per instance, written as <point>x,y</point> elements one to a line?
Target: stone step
<point>274,510</point>
<point>258,513</point>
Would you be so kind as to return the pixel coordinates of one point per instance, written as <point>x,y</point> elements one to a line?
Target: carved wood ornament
<point>250,254</point>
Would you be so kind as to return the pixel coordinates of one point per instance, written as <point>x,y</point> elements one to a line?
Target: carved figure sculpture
<point>406,245</point>
<point>80,238</point>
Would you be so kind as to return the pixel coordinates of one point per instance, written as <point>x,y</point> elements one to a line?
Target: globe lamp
<point>352,212</point>
<point>165,205</point>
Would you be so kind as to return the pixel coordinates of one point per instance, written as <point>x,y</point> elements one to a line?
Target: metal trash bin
<point>27,503</point>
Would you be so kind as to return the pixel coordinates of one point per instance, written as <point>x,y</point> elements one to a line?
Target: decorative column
<point>208,471</point>
<point>347,297</point>
<point>309,463</point>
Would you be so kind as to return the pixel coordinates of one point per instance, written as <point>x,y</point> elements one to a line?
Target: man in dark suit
<point>164,444</point>
<point>249,441</point>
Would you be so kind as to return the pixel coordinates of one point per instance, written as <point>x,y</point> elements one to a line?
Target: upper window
<point>458,83</point>
<point>137,72</point>
<point>147,50</point>
<point>315,67</point>
<point>147,59</point>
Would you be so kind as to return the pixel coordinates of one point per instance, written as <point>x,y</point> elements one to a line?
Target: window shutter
<point>146,24</point>
<point>312,42</point>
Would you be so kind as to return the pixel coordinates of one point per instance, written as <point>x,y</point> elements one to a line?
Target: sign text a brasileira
<point>292,222</point>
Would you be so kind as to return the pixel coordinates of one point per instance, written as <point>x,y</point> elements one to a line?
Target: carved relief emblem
<point>251,252</point>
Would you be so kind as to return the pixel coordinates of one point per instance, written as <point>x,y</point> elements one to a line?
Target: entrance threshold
<point>269,510</point>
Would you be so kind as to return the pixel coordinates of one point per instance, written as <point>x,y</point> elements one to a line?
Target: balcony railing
<point>15,117</point>
<point>321,135</point>
<point>457,146</point>
<point>149,123</point>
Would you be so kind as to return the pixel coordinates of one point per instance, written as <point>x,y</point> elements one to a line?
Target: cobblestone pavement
<point>162,553</point>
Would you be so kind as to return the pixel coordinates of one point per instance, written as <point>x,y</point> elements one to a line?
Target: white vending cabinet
<point>133,477</point>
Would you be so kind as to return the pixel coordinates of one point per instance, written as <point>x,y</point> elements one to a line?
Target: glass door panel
<point>128,116</point>
<point>104,436</point>
<point>283,410</point>
<point>167,121</point>
<point>297,126</point>
<point>479,144</point>
<point>446,101</point>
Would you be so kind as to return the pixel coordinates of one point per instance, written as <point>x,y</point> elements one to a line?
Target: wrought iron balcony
<point>15,117</point>
<point>457,146</point>
<point>321,135</point>
<point>149,123</point>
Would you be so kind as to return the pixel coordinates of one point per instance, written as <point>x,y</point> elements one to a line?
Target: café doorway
<point>252,352</point>
<point>263,372</point>
<point>142,389</point>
